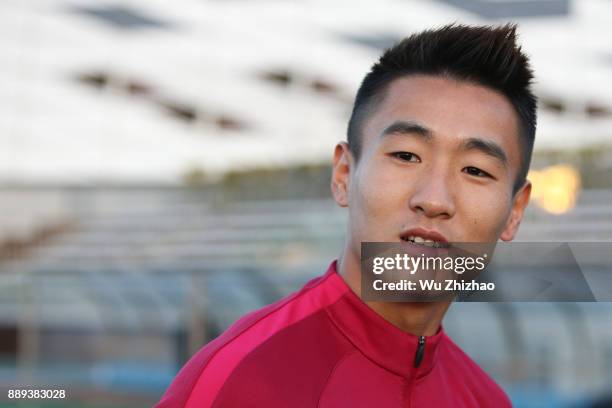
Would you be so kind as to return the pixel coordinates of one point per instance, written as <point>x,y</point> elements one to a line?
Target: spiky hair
<point>485,55</point>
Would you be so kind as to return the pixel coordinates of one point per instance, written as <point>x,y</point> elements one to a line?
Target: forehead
<point>453,110</point>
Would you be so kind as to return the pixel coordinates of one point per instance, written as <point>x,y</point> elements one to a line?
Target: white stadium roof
<point>124,91</point>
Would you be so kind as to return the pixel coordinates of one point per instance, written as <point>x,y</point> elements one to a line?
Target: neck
<point>418,318</point>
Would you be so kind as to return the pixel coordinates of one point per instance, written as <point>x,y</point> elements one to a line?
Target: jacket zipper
<point>420,351</point>
<point>418,357</point>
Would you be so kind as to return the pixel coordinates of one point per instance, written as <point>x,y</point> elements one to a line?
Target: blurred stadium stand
<point>146,276</point>
<point>107,291</point>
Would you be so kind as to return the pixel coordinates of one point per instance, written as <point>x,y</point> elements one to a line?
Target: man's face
<point>439,156</point>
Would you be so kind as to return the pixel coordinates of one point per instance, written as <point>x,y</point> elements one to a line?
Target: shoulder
<point>478,381</point>
<point>261,348</point>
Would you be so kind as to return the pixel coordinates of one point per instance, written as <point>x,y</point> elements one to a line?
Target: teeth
<point>424,242</point>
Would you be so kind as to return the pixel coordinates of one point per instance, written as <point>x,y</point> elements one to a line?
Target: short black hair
<point>484,55</point>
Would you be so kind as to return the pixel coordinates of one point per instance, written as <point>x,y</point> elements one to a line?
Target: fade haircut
<point>484,55</point>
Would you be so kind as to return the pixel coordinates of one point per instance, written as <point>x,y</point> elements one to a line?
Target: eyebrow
<point>408,128</point>
<point>487,147</point>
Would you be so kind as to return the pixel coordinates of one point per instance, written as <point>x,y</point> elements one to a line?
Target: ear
<point>341,173</point>
<point>520,201</point>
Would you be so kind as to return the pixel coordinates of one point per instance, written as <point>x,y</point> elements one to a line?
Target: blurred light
<point>555,188</point>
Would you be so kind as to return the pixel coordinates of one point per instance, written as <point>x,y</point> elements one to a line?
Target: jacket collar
<point>374,336</point>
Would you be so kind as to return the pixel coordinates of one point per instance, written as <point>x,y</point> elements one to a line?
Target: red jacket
<point>323,347</point>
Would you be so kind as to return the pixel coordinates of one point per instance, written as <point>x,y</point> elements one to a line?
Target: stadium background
<point>164,168</point>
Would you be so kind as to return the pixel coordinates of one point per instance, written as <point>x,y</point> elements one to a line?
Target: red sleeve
<point>183,384</point>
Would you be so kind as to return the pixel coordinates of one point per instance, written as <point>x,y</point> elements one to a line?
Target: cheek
<point>381,189</point>
<point>375,200</point>
<point>485,213</point>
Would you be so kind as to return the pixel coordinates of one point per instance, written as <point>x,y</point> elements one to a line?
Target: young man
<point>439,144</point>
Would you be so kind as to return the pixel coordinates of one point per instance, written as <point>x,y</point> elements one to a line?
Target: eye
<point>475,171</point>
<point>407,156</point>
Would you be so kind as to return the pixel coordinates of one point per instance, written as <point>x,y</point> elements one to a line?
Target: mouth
<point>425,238</point>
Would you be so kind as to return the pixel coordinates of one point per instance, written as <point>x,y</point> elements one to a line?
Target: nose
<point>433,196</point>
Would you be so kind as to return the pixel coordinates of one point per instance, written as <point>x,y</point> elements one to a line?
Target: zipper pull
<point>420,352</point>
